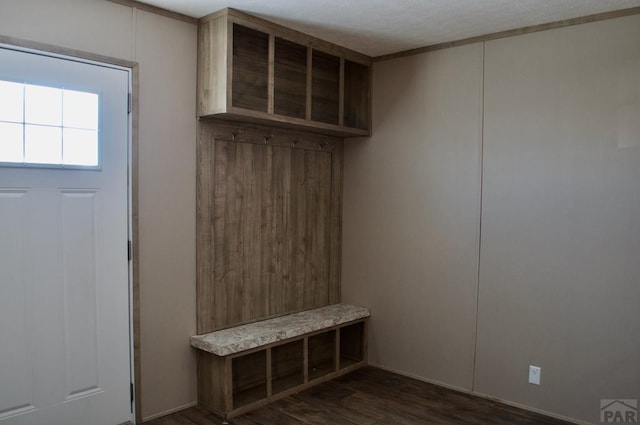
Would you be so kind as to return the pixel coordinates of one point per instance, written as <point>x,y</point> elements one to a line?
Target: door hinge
<point>129,103</point>
<point>131,393</point>
<point>129,250</point>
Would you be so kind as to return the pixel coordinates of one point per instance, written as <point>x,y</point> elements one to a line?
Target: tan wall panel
<point>560,236</point>
<point>166,49</point>
<point>95,26</point>
<point>411,214</point>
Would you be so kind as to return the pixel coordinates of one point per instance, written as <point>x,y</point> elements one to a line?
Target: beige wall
<point>559,260</point>
<point>166,52</point>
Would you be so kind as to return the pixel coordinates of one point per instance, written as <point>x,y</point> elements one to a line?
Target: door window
<point>48,126</point>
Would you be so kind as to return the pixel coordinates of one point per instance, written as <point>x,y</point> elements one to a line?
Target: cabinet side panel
<point>211,381</point>
<point>204,230</point>
<point>212,66</point>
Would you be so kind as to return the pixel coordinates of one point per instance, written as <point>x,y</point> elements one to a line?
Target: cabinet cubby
<point>356,95</point>
<point>290,79</point>
<point>322,354</point>
<point>287,366</point>
<point>325,88</point>
<point>352,344</point>
<point>250,68</point>
<point>249,378</point>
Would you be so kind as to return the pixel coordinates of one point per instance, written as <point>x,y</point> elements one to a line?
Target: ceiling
<point>378,27</point>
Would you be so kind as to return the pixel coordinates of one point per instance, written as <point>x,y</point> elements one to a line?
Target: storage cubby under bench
<point>247,366</point>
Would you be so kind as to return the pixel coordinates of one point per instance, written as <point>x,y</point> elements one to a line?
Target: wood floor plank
<point>270,415</point>
<point>314,413</point>
<point>197,416</point>
<point>372,396</point>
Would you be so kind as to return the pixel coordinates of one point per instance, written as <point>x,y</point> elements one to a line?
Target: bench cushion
<point>253,335</point>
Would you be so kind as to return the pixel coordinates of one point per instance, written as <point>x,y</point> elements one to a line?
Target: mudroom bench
<point>248,366</point>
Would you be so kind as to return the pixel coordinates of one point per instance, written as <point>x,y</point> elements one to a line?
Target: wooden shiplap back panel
<point>240,290</point>
<point>268,235</point>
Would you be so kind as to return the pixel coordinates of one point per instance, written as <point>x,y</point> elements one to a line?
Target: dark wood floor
<point>372,396</point>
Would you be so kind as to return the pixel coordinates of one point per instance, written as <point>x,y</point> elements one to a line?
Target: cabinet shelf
<point>254,70</point>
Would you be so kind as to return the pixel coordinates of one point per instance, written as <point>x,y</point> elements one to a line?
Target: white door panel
<point>64,291</point>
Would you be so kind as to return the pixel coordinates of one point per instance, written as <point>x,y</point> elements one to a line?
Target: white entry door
<point>64,274</point>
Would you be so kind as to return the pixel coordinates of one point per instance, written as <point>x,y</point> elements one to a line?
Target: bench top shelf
<point>245,337</point>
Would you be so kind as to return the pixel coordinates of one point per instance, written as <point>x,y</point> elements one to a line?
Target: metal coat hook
<point>235,134</point>
<point>295,141</point>
<point>322,144</point>
<point>267,138</point>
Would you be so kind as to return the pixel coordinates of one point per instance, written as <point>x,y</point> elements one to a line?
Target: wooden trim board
<point>64,51</point>
<point>157,10</point>
<point>439,46</point>
<point>135,182</point>
<point>513,32</point>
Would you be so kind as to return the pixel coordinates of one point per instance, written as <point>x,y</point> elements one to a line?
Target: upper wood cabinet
<point>254,70</point>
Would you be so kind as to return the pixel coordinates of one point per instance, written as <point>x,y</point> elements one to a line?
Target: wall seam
<point>481,186</point>
<point>134,33</point>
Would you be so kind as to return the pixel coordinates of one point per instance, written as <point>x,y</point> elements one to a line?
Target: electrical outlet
<point>534,375</point>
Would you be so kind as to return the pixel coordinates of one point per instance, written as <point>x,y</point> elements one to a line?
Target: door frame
<point>132,184</point>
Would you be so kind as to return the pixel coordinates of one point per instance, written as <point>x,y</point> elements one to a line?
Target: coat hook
<point>267,138</point>
<point>322,144</point>
<point>235,134</point>
<point>295,141</point>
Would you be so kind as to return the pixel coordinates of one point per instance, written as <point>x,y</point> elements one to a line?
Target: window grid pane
<point>48,126</point>
<point>42,105</point>
<point>80,147</point>
<point>11,146</point>
<point>43,144</point>
<point>11,106</point>
<point>80,110</point>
